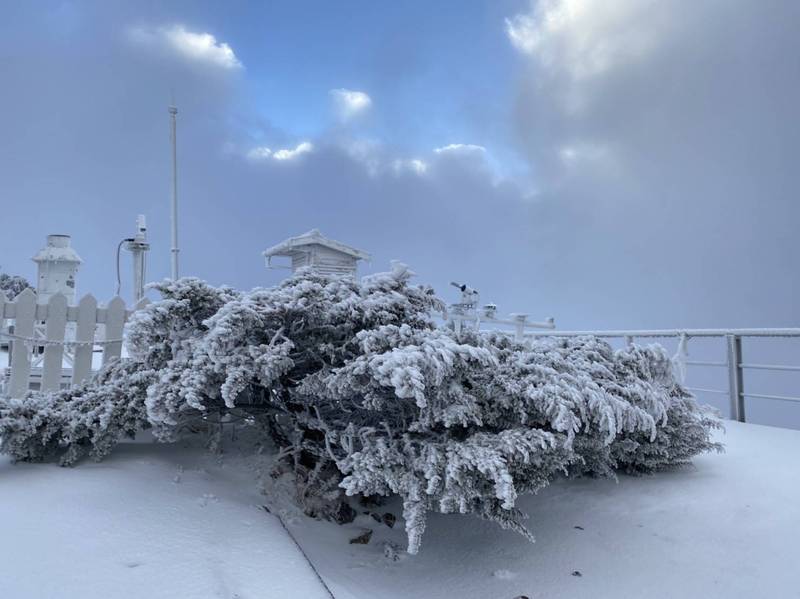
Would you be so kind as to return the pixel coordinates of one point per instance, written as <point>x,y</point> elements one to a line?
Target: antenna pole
<point>173,111</point>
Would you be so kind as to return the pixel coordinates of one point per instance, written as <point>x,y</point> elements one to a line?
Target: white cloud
<point>412,165</point>
<point>349,103</point>
<point>377,159</point>
<point>582,151</point>
<point>581,156</point>
<point>370,153</point>
<point>473,159</point>
<point>463,149</point>
<point>260,153</point>
<point>197,47</point>
<point>302,148</point>
<point>586,38</point>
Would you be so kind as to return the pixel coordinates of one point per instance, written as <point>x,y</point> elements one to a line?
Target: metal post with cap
<point>173,111</point>
<point>138,247</point>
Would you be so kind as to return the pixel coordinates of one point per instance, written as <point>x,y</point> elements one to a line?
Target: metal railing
<point>468,313</point>
<point>734,362</point>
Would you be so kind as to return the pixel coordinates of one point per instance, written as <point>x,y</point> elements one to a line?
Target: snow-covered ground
<point>150,522</point>
<point>727,527</point>
<point>168,521</point>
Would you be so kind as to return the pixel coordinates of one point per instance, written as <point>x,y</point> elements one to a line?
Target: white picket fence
<point>51,345</point>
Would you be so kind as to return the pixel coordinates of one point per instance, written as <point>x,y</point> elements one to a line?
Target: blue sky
<point>616,163</point>
<point>429,70</point>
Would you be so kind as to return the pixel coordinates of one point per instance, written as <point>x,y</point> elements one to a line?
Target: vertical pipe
<point>735,378</point>
<point>173,111</point>
<point>139,248</point>
<point>138,274</point>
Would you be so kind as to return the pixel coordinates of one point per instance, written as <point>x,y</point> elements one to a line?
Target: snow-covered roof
<point>57,250</point>
<point>313,237</point>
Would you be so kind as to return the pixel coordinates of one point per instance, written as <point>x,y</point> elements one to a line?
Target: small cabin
<point>315,250</point>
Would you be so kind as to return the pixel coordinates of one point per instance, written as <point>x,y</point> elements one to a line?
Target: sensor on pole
<point>138,247</point>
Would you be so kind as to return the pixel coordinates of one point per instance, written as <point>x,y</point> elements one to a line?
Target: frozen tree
<point>467,424</point>
<point>614,406</point>
<point>364,395</point>
<point>165,339</point>
<point>92,418</point>
<point>12,285</point>
<point>266,343</point>
<point>87,420</point>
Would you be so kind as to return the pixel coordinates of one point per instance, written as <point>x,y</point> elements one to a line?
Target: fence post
<point>735,378</point>
<point>24,318</point>
<point>115,321</point>
<point>54,354</point>
<point>519,327</point>
<point>84,333</point>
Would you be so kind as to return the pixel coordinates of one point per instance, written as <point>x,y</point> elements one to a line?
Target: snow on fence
<point>734,362</point>
<point>43,338</point>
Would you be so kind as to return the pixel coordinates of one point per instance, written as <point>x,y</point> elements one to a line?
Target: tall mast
<point>173,111</point>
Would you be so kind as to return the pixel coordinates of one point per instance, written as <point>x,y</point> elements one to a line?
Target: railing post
<point>115,322</point>
<point>519,326</point>
<point>735,378</point>
<point>84,332</point>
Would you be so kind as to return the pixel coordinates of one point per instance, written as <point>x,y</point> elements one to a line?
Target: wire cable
<point>119,248</point>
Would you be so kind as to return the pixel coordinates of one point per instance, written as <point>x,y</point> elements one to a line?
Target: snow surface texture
<point>725,528</point>
<point>154,521</point>
<point>157,520</point>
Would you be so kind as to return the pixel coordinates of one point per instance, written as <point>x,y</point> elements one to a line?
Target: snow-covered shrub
<point>12,285</point>
<point>87,420</point>
<point>261,346</point>
<point>364,395</point>
<point>467,424</point>
<point>165,340</point>
<point>620,409</point>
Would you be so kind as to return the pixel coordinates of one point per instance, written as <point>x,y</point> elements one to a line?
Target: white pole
<point>138,274</point>
<point>138,248</point>
<point>173,111</point>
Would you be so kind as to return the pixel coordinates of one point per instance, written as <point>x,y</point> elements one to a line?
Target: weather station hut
<point>57,266</point>
<point>318,252</point>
